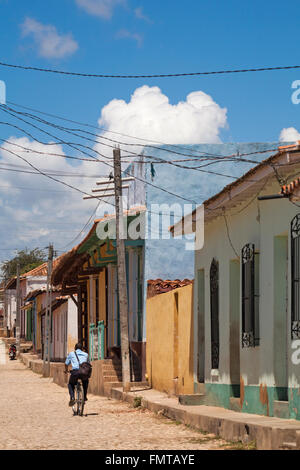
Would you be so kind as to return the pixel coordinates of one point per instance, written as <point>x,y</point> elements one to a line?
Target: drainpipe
<point>273,196</point>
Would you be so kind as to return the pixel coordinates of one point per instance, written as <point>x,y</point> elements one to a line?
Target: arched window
<point>295,276</point>
<point>250,296</point>
<point>214,312</point>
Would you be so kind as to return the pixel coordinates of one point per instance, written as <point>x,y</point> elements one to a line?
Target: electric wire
<point>164,75</point>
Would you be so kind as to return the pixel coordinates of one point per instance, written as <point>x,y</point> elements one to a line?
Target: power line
<point>73,146</point>
<point>164,75</point>
<point>84,152</point>
<point>201,155</point>
<point>86,224</point>
<point>51,177</point>
<point>102,128</point>
<point>126,171</point>
<point>179,146</point>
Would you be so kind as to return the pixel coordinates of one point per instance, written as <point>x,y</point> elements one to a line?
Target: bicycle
<point>78,406</point>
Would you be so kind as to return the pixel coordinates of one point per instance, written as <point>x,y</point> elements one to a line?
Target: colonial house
<point>247,291</point>
<point>89,271</point>
<point>63,334</point>
<point>8,292</point>
<point>29,281</point>
<point>158,195</point>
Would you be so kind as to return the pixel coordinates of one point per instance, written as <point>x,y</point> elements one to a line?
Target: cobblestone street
<point>35,415</point>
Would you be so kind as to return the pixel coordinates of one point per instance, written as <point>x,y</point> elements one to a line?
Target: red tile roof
<point>160,286</point>
<point>38,271</point>
<point>289,188</point>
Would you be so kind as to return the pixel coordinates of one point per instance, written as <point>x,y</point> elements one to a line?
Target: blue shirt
<point>72,359</point>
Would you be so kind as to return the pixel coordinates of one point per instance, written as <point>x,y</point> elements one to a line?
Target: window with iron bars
<point>250,296</point>
<point>295,277</point>
<point>214,312</point>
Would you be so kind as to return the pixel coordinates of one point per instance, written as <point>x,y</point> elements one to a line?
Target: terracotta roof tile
<point>160,286</point>
<point>38,271</point>
<point>289,188</point>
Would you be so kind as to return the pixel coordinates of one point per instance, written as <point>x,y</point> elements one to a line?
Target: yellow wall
<point>169,349</point>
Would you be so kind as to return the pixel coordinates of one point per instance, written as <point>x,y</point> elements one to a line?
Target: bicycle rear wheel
<point>79,399</point>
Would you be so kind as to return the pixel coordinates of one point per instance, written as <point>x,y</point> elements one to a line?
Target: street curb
<point>241,428</point>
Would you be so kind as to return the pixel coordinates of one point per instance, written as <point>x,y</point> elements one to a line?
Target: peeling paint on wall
<point>242,391</point>
<point>263,396</point>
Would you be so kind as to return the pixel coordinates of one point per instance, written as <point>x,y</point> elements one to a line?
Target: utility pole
<point>48,315</point>
<point>116,191</point>
<point>18,316</point>
<point>121,260</point>
<point>5,306</point>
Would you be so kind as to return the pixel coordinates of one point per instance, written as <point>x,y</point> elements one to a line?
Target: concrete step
<point>235,404</point>
<point>111,367</point>
<point>113,362</point>
<point>192,400</point>
<point>281,409</point>
<point>111,370</point>
<point>108,387</point>
<point>289,446</point>
<point>112,378</point>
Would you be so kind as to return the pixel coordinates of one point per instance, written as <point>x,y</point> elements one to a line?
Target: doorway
<point>280,317</point>
<point>234,327</point>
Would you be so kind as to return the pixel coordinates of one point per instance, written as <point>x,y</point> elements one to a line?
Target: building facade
<point>246,300</point>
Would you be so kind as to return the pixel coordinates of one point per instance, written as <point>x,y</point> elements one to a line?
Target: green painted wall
<point>254,399</point>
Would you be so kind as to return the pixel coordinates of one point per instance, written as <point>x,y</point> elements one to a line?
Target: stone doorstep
<point>192,400</point>
<point>111,367</point>
<point>269,433</point>
<point>112,378</point>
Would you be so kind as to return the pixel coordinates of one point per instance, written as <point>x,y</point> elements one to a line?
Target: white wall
<point>258,223</point>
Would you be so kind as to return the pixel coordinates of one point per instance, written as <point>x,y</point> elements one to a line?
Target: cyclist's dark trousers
<point>74,376</point>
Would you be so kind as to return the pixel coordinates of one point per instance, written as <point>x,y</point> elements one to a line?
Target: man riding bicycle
<point>75,358</point>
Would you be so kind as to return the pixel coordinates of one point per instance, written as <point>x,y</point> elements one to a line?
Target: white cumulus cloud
<point>102,8</point>
<point>125,34</point>
<point>289,134</point>
<point>150,115</point>
<point>140,15</point>
<point>50,44</point>
<point>36,210</point>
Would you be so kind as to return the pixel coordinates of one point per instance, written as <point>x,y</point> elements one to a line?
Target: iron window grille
<point>295,277</point>
<point>214,311</point>
<point>250,296</point>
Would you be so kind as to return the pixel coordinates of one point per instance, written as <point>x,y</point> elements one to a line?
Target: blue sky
<point>174,37</point>
<point>136,37</point>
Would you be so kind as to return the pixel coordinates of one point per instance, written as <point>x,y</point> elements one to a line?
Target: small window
<point>250,297</point>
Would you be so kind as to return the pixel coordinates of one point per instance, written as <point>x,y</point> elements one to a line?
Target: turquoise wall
<point>255,399</point>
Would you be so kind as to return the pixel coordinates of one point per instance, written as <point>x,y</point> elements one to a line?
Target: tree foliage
<point>28,259</point>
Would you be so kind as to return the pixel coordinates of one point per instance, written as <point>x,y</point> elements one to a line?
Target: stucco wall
<point>72,324</point>
<point>267,367</point>
<point>164,347</point>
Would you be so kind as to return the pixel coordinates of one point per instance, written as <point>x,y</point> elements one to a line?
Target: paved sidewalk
<point>3,354</point>
<point>35,415</point>
<point>267,432</point>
